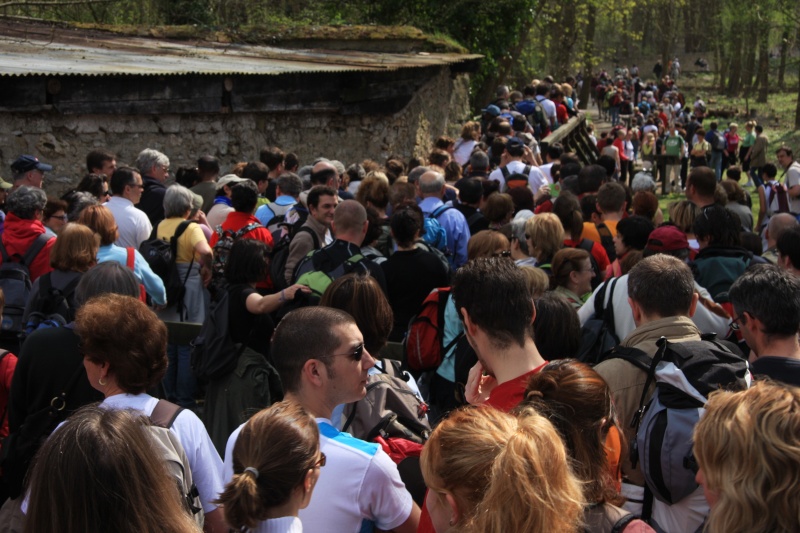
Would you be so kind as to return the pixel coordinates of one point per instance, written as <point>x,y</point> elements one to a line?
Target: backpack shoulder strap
<point>622,523</point>
<point>474,217</point>
<point>311,232</point>
<point>165,413</point>
<point>45,283</point>
<point>586,244</point>
<point>439,210</point>
<point>651,374</point>
<point>130,260</point>
<point>608,315</point>
<point>527,170</point>
<point>247,229</point>
<point>504,171</point>
<point>3,251</point>
<point>183,226</point>
<point>603,230</point>
<point>634,356</point>
<point>36,247</point>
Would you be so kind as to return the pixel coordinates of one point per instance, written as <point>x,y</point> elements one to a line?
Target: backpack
<point>422,245</point>
<point>517,179</point>
<point>717,141</point>
<point>779,191</point>
<point>162,256</point>
<point>171,450</point>
<point>15,280</point>
<point>598,334</point>
<point>424,343</point>
<point>390,408</point>
<point>280,254</point>
<point>433,232</point>
<point>318,278</point>
<point>275,223</point>
<point>607,240</point>
<point>538,119</point>
<point>214,354</point>
<point>685,373</point>
<point>222,249</point>
<point>53,307</point>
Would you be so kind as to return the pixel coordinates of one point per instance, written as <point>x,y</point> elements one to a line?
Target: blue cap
<point>492,110</point>
<point>26,163</point>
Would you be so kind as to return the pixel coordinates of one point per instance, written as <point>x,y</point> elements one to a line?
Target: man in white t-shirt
<point>542,92</point>
<point>133,225</point>
<point>512,162</point>
<point>359,487</point>
<point>791,171</point>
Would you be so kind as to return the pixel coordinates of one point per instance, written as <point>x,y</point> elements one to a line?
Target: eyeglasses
<point>106,194</point>
<point>322,461</point>
<point>136,185</point>
<point>62,218</point>
<point>734,323</point>
<point>504,253</point>
<point>165,168</point>
<point>356,354</point>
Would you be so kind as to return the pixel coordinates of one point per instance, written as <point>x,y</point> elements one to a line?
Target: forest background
<point>752,48</point>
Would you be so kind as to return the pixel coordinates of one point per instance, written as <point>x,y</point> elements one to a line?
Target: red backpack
<point>424,343</point>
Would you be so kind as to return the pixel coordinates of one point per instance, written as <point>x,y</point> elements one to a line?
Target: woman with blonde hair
<point>270,484</point>
<point>491,472</point>
<point>747,447</point>
<point>545,236</point>
<point>682,214</point>
<point>100,472</point>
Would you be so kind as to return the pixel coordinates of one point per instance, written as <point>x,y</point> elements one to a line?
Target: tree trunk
<point>749,63</point>
<point>784,53</point>
<point>735,44</point>
<point>763,64</point>
<point>588,55</point>
<point>797,110</point>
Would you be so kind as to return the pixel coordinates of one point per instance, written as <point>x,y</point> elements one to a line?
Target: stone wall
<point>440,106</point>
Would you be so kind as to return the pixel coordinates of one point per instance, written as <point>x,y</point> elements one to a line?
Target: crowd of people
<point>313,275</point>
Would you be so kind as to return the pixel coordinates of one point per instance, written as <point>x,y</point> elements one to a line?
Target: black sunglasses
<point>356,354</point>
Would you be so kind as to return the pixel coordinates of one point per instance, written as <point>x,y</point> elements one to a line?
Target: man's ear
<point>637,311</point>
<point>693,306</point>
<point>469,325</point>
<point>314,372</point>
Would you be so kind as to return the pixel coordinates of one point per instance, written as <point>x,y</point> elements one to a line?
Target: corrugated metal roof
<point>41,50</point>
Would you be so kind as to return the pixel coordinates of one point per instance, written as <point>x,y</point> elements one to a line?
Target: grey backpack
<point>685,373</point>
<point>171,450</point>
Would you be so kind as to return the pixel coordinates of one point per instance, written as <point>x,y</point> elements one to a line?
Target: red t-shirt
<point>504,397</point>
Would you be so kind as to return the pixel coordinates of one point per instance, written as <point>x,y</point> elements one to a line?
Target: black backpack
<point>162,257</point>
<point>214,354</point>
<point>15,280</point>
<point>606,240</point>
<point>222,248</point>
<point>598,333</point>
<point>538,119</point>
<point>280,253</point>
<point>53,307</point>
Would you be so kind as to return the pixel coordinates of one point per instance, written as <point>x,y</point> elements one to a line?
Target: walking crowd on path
<point>495,338</point>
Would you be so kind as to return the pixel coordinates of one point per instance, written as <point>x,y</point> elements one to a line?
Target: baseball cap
<point>26,163</point>
<point>667,239</point>
<point>492,110</point>
<point>230,180</point>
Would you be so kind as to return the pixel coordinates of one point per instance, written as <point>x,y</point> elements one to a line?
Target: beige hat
<point>229,180</point>
<point>4,185</point>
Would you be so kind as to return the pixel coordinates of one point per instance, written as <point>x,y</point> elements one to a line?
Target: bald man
<point>343,255</point>
<point>431,188</point>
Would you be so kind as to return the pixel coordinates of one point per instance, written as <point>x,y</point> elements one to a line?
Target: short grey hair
<point>79,201</point>
<point>518,232</point>
<point>290,184</point>
<point>148,158</point>
<point>177,201</point>
<point>416,173</point>
<point>431,185</point>
<point>25,201</point>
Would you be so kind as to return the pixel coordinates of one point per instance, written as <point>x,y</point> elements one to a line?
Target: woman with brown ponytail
<point>276,463</point>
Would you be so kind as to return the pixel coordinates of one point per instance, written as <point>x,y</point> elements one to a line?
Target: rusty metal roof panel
<point>37,50</point>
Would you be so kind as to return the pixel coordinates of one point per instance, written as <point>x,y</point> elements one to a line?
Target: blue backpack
<point>433,232</point>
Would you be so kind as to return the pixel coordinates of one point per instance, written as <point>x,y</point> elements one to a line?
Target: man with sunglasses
<point>766,304</point>
<point>359,487</point>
